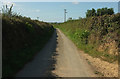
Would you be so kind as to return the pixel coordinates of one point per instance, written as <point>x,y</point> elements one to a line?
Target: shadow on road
<point>53,54</point>
<point>43,63</point>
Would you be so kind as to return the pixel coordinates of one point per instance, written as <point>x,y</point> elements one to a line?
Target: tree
<point>70,18</point>
<point>90,13</point>
<point>79,18</point>
<point>104,11</point>
<point>100,12</point>
<point>93,12</point>
<point>110,11</point>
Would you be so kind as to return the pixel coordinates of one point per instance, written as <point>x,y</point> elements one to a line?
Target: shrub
<point>85,35</point>
<point>99,12</point>
<point>90,33</point>
<point>8,11</point>
<point>22,38</point>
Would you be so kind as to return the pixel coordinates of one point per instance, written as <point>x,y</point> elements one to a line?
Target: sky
<point>54,11</point>
<point>60,0</point>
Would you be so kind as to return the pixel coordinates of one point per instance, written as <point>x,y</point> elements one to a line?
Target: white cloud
<point>37,10</point>
<point>75,2</point>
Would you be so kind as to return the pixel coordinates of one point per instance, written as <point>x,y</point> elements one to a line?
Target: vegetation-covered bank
<point>99,36</point>
<point>22,38</point>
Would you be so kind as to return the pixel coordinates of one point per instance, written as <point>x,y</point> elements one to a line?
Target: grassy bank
<point>99,36</point>
<point>22,38</point>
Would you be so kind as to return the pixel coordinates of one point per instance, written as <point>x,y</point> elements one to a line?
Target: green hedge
<point>22,38</point>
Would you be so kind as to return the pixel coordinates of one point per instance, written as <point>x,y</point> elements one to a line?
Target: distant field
<point>99,36</point>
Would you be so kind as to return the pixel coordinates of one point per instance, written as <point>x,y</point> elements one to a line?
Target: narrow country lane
<point>69,62</point>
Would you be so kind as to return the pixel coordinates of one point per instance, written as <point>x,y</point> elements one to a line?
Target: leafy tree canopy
<point>99,12</point>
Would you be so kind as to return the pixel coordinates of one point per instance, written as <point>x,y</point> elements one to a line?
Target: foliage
<point>70,18</point>
<point>6,11</point>
<point>22,38</point>
<point>80,18</point>
<point>84,36</point>
<point>89,33</point>
<point>99,12</point>
<point>91,12</point>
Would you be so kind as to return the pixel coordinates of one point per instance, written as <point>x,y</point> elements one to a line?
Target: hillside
<point>99,36</point>
<point>22,38</point>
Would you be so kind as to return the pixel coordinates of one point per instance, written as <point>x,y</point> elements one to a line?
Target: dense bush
<point>22,38</point>
<point>99,12</point>
<point>84,36</point>
<point>90,33</point>
<point>91,12</point>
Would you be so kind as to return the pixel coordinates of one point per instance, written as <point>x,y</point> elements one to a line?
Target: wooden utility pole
<point>65,15</point>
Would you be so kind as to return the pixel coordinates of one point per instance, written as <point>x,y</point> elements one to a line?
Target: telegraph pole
<point>65,15</point>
